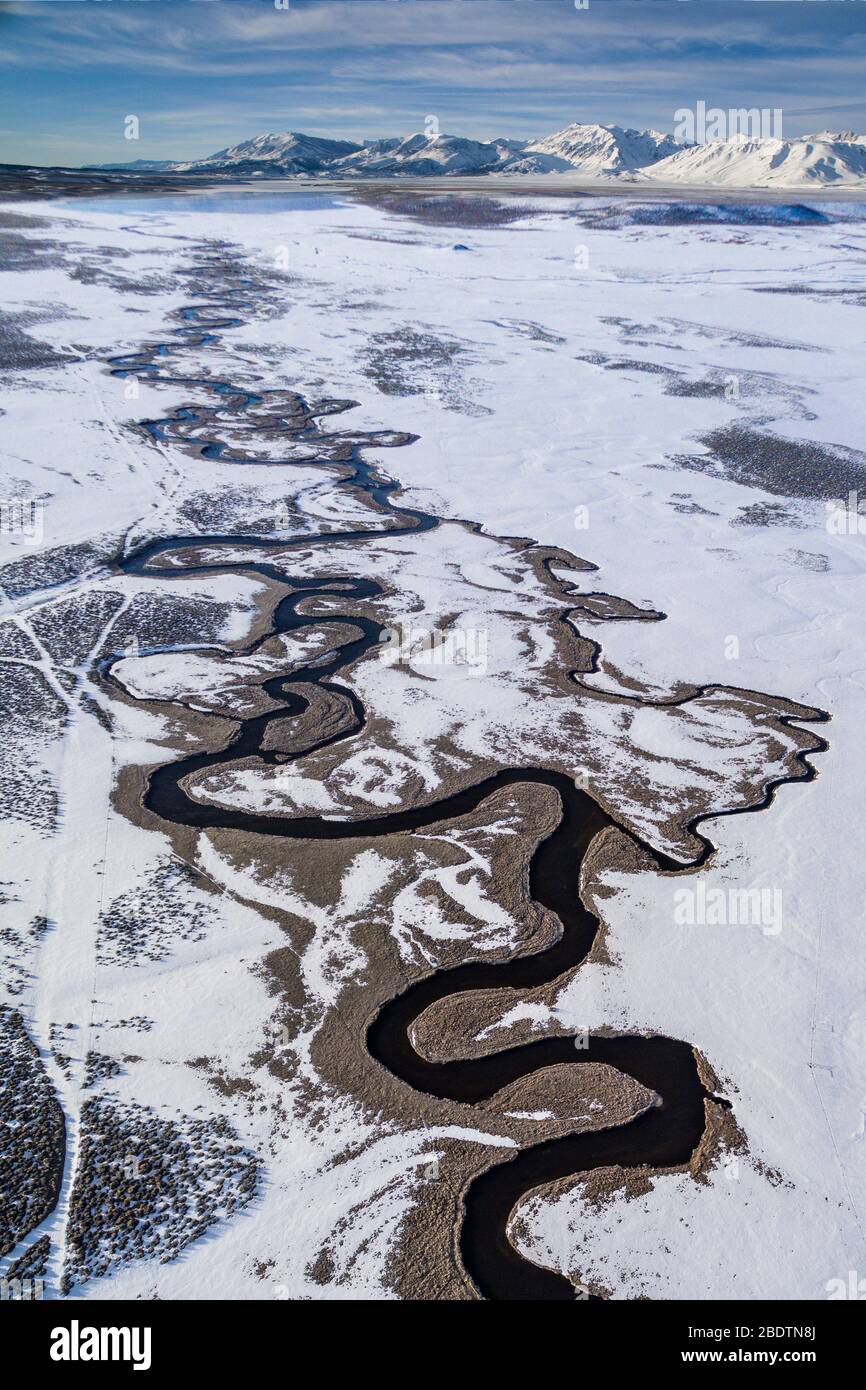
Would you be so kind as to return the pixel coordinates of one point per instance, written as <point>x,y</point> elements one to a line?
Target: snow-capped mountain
<point>599,151</point>
<point>429,154</point>
<point>811,161</point>
<point>594,151</point>
<point>290,153</point>
<point>421,155</point>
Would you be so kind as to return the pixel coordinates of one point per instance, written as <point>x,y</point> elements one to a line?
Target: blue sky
<point>202,74</point>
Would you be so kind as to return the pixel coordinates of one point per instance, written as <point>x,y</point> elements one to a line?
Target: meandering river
<point>664,1136</point>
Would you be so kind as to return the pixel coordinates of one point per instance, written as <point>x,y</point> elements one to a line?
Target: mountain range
<point>585,152</point>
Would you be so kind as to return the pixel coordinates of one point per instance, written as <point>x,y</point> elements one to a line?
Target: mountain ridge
<point>590,151</point>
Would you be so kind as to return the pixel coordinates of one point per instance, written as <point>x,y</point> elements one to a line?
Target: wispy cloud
<point>202,73</point>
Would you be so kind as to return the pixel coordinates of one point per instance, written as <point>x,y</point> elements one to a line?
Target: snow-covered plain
<point>561,373</point>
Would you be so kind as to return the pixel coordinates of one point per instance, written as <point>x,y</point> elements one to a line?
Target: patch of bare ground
<point>446,209</point>
<point>783,467</point>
